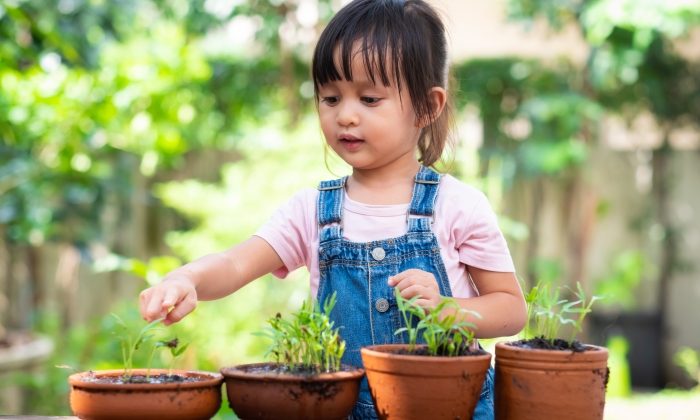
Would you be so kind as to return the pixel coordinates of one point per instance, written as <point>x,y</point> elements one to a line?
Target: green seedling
<point>584,309</point>
<point>530,300</point>
<point>444,334</point>
<point>174,351</point>
<point>130,345</point>
<point>548,311</point>
<point>547,316</point>
<point>309,341</point>
<point>409,310</point>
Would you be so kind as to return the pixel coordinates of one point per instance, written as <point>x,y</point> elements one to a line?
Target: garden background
<point>138,135</point>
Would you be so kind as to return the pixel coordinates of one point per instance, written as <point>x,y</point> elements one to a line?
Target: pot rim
<point>234,372</point>
<point>382,350</point>
<point>215,380</point>
<point>505,349</point>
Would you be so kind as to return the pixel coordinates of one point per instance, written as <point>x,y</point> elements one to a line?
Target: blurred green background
<point>139,135</point>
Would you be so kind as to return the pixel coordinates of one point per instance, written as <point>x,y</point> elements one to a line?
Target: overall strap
<point>330,209</point>
<point>425,191</point>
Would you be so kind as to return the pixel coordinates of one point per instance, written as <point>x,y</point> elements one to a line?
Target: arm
<point>213,276</point>
<point>500,302</point>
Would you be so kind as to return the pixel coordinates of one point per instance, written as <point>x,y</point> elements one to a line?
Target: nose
<point>347,114</point>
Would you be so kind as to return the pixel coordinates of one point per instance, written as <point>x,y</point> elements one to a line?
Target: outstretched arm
<point>500,302</point>
<point>213,276</point>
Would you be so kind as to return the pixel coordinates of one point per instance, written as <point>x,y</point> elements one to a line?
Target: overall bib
<point>366,308</point>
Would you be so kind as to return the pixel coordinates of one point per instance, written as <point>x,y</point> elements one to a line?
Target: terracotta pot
<point>262,396</point>
<point>423,387</point>
<point>174,401</point>
<point>550,384</point>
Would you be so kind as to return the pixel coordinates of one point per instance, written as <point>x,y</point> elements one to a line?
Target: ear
<point>437,97</point>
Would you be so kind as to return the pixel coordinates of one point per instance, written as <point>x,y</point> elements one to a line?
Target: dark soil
<point>141,379</point>
<point>540,343</point>
<point>302,370</point>
<point>442,352</point>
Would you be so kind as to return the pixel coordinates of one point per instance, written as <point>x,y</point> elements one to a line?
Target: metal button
<point>382,304</point>
<point>378,254</point>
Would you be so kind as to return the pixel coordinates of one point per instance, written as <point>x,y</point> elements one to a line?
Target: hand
<point>415,282</point>
<point>175,291</point>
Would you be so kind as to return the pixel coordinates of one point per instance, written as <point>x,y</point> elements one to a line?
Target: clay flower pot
<point>550,384</point>
<point>256,395</point>
<point>423,387</point>
<point>174,401</point>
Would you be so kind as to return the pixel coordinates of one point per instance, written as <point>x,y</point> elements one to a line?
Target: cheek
<point>327,120</point>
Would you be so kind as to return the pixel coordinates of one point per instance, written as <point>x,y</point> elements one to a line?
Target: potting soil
<point>442,352</point>
<point>303,370</point>
<point>541,343</point>
<point>141,379</point>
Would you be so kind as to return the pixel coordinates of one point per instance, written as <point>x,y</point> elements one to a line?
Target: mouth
<point>350,142</point>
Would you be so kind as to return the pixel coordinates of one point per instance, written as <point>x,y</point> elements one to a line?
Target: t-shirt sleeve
<point>481,243</point>
<point>287,232</point>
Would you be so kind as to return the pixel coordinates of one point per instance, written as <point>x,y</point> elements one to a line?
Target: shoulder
<point>454,192</point>
<point>303,197</point>
<point>462,206</point>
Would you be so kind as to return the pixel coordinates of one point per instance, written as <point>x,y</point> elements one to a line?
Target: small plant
<point>307,342</point>
<point>174,351</point>
<point>548,311</point>
<point>130,345</point>
<point>444,335</point>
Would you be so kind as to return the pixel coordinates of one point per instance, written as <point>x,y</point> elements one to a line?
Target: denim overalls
<point>366,307</point>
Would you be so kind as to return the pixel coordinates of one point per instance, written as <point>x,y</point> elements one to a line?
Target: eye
<point>370,101</point>
<point>330,100</point>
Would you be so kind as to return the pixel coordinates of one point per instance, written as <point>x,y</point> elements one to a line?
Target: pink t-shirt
<point>465,226</point>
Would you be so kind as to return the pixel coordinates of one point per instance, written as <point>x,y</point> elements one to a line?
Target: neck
<point>388,184</point>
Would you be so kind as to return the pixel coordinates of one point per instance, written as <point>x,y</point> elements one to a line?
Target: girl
<point>380,72</point>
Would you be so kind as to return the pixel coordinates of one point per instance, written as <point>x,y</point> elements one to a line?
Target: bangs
<point>372,31</point>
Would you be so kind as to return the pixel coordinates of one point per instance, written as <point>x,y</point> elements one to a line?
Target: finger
<point>422,279</point>
<point>181,310</point>
<point>393,280</point>
<point>425,302</point>
<point>155,306</point>
<point>143,302</point>
<point>415,290</point>
<point>170,299</point>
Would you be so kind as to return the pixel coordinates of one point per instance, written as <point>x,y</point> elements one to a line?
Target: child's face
<point>385,128</point>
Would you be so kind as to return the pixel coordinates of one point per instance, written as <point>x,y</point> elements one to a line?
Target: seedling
<point>174,350</point>
<point>444,334</point>
<point>307,342</point>
<point>130,345</point>
<point>584,309</point>
<point>548,311</point>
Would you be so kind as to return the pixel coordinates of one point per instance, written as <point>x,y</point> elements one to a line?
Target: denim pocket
<point>363,412</point>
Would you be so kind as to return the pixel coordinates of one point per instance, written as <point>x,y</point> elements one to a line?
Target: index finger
<point>154,306</point>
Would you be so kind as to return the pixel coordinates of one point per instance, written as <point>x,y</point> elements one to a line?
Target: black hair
<point>407,35</point>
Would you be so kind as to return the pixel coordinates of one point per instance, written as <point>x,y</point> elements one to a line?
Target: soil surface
<point>298,370</point>
<point>141,379</point>
<point>540,343</point>
<point>442,352</point>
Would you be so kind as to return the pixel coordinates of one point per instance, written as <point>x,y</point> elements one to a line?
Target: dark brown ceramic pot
<point>255,395</point>
<point>550,384</point>
<point>423,387</point>
<point>198,400</point>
